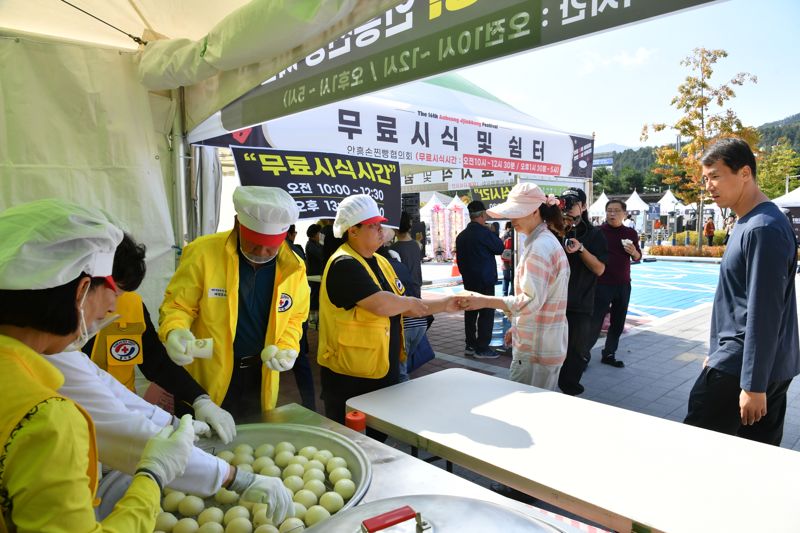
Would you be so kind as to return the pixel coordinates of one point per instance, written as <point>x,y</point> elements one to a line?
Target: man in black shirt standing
<point>476,248</point>
<point>587,253</point>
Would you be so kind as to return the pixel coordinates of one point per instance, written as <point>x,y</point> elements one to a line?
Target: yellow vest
<point>118,347</point>
<point>26,380</point>
<point>355,342</point>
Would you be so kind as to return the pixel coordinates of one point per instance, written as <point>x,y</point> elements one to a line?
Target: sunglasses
<point>571,218</point>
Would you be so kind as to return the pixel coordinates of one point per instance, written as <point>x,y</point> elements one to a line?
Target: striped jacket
<point>539,304</point>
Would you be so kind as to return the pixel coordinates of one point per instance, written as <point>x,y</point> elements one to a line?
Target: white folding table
<point>622,469</point>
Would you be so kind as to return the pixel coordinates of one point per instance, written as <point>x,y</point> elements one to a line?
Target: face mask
<point>86,333</point>
<point>257,259</point>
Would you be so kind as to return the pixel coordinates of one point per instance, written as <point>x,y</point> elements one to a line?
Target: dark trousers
<point>714,405</point>
<point>617,297</point>
<point>579,344</point>
<point>478,324</point>
<point>302,373</point>
<point>338,388</point>
<point>243,400</point>
<point>710,239</point>
<point>508,282</point>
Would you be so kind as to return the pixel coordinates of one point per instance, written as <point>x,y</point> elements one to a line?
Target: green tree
<point>776,163</point>
<point>631,179</point>
<point>605,180</point>
<point>705,118</point>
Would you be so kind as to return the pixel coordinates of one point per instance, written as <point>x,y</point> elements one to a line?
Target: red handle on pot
<point>388,519</point>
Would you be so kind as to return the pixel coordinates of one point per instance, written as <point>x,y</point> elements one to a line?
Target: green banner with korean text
<point>421,38</point>
<point>318,181</point>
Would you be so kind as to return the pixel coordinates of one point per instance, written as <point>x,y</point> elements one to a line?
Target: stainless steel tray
<point>301,435</point>
<point>441,514</point>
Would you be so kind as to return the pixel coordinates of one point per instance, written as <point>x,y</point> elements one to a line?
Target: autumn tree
<point>705,118</point>
<point>775,164</point>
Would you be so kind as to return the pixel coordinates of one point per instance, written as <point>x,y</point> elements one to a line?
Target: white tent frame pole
<point>181,157</point>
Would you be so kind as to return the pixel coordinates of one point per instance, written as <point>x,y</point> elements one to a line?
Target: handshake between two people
<point>463,301</point>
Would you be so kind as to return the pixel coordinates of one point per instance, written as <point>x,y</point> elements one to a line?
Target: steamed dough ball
<point>226,455</point>
<point>165,521</point>
<point>332,501</point>
<point>292,524</point>
<point>171,501</point>
<point>212,514</point>
<point>313,464</point>
<point>323,456</point>
<point>243,449</point>
<point>293,483</point>
<point>239,525</point>
<point>247,505</point>
<point>293,470</point>
<point>265,450</point>
<point>236,511</point>
<point>245,467</point>
<point>298,460</point>
<point>316,486</point>
<point>186,525</point>
<point>191,506</point>
<point>272,471</point>
<point>285,447</point>
<point>242,459</point>
<point>339,473</point>
<point>282,458</point>
<point>306,497</point>
<point>262,462</point>
<point>299,510</point>
<point>308,452</point>
<point>345,487</point>
<point>225,496</point>
<point>334,463</point>
<point>266,528</point>
<point>316,514</point>
<point>211,527</point>
<point>260,517</point>
<point>314,474</point>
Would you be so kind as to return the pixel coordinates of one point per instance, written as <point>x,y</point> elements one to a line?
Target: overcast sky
<point>614,82</point>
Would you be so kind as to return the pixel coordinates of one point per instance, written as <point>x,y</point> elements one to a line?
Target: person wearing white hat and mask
<point>539,304</point>
<point>247,290</point>
<point>55,283</point>
<point>361,303</point>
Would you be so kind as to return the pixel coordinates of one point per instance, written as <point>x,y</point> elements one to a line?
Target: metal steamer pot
<point>431,514</point>
<point>302,435</point>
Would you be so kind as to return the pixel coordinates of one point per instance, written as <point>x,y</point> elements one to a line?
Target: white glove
<point>277,359</point>
<point>201,429</point>
<point>269,490</point>
<point>177,339</point>
<point>166,454</point>
<point>218,418</point>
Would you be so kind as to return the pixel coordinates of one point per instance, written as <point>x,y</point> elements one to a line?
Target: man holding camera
<point>587,253</point>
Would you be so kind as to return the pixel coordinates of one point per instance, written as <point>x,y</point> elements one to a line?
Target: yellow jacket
<point>355,342</point>
<point>48,456</point>
<point>117,348</point>
<point>203,296</point>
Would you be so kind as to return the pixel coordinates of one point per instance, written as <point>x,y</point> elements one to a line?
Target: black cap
<point>476,206</point>
<point>576,192</point>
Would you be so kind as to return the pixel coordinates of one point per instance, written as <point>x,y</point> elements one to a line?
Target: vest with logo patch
<point>118,347</point>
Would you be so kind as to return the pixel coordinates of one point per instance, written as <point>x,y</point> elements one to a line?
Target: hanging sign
<point>318,181</point>
<point>421,38</point>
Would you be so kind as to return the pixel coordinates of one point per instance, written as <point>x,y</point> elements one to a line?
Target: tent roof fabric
<point>635,202</point>
<point>598,208</point>
<point>792,199</point>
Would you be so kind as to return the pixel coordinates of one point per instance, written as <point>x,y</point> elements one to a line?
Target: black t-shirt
<point>348,283</point>
<point>582,281</point>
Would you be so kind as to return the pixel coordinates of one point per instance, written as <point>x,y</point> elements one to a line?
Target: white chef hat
<point>356,209</point>
<point>48,243</point>
<point>264,213</point>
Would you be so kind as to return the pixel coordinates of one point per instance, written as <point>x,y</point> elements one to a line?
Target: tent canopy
<point>669,202</point>
<point>791,199</point>
<point>598,208</point>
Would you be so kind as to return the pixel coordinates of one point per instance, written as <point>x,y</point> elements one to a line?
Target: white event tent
<point>598,208</point>
<point>669,202</point>
<point>635,203</point>
<point>91,116</point>
<point>791,199</point>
